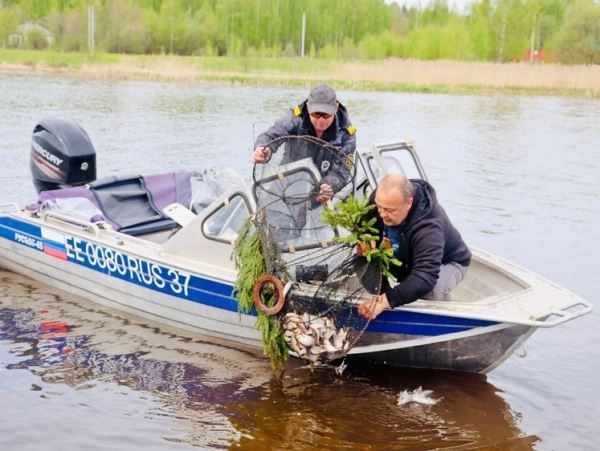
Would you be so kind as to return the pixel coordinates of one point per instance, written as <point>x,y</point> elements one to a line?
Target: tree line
<point>566,31</point>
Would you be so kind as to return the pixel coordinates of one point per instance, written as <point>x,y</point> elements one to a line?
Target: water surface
<point>520,177</point>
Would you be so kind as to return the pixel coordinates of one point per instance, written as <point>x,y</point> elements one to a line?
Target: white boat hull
<point>463,344</point>
<point>107,290</point>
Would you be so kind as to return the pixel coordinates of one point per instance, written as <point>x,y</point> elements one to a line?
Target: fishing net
<point>324,279</point>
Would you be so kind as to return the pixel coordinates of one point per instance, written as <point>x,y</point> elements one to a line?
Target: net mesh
<point>326,279</point>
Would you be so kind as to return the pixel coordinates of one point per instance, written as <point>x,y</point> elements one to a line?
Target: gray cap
<point>322,99</point>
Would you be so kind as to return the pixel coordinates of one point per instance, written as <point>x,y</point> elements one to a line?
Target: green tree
<point>70,29</point>
<point>35,9</point>
<point>480,31</point>
<point>578,40</point>
<point>455,42</point>
<point>511,25</point>
<point>36,39</point>
<point>8,24</point>
<point>170,29</point>
<point>207,25</point>
<point>499,30</point>
<point>124,27</point>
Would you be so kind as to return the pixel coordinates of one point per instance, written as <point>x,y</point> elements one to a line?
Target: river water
<point>520,177</point>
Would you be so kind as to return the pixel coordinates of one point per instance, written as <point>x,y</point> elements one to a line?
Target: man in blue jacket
<point>321,116</point>
<point>434,257</point>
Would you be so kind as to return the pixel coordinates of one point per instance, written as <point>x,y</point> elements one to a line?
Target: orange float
<point>277,285</point>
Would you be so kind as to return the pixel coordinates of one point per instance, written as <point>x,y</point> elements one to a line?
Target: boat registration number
<point>125,266</point>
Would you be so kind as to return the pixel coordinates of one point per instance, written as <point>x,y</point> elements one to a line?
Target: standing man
<point>321,116</point>
<point>434,257</point>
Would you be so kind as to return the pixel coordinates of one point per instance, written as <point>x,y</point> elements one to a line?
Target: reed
<point>495,75</point>
<point>384,75</point>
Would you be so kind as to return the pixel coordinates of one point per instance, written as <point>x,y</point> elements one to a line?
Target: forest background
<point>565,32</point>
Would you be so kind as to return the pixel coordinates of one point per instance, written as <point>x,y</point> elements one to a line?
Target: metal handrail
<point>562,316</point>
<point>553,317</point>
<point>85,225</point>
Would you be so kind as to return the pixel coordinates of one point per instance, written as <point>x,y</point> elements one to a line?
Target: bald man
<point>434,257</point>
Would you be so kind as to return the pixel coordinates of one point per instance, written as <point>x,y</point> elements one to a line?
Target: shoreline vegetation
<point>394,75</point>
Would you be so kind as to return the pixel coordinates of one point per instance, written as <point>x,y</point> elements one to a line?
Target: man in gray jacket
<point>321,116</point>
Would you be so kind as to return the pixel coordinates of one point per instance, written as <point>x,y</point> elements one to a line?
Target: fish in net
<point>323,280</point>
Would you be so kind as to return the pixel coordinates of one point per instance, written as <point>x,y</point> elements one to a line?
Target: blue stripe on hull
<point>422,324</point>
<point>123,266</point>
<point>174,282</point>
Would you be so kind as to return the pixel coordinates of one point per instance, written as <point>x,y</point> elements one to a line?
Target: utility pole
<point>171,33</point>
<point>303,34</point>
<point>91,28</point>
<point>532,45</point>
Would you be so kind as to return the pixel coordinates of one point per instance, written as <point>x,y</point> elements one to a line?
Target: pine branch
<point>351,215</point>
<point>250,263</point>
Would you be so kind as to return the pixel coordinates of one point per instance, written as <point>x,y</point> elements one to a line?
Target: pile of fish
<point>314,337</point>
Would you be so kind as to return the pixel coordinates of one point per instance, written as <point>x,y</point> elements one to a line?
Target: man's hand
<point>371,308</point>
<point>325,193</point>
<point>363,247</point>
<point>261,155</point>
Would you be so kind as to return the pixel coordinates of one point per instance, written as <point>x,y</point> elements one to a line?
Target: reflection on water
<point>214,396</point>
<point>100,353</point>
<point>360,410</point>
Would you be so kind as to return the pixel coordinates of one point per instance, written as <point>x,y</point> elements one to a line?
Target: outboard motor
<point>62,155</point>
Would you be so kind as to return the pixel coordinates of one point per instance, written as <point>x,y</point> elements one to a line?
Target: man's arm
<point>427,251</point>
<point>287,125</point>
<point>284,126</point>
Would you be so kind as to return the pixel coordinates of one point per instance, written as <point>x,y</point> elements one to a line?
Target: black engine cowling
<point>62,155</point>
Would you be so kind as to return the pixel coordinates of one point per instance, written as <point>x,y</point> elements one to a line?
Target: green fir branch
<point>250,263</point>
<point>351,215</point>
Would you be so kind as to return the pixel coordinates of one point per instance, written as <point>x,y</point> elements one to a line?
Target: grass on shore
<point>386,75</point>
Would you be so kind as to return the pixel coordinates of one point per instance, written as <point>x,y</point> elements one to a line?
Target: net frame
<point>295,240</point>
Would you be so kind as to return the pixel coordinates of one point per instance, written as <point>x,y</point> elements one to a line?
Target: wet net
<point>324,279</point>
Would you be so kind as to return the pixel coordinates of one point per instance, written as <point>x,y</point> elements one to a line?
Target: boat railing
<point>548,318</point>
<point>84,225</point>
<point>9,207</point>
<point>556,317</point>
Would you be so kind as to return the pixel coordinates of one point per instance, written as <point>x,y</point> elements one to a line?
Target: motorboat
<point>160,246</point>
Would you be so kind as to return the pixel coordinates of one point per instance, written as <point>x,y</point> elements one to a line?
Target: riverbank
<point>387,75</point>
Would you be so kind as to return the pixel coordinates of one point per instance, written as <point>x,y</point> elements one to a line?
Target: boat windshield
<point>392,158</point>
<point>225,223</point>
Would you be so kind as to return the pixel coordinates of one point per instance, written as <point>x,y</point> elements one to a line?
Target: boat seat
<point>126,202</point>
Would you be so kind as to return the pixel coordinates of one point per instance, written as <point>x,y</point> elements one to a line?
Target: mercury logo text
<point>46,155</point>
